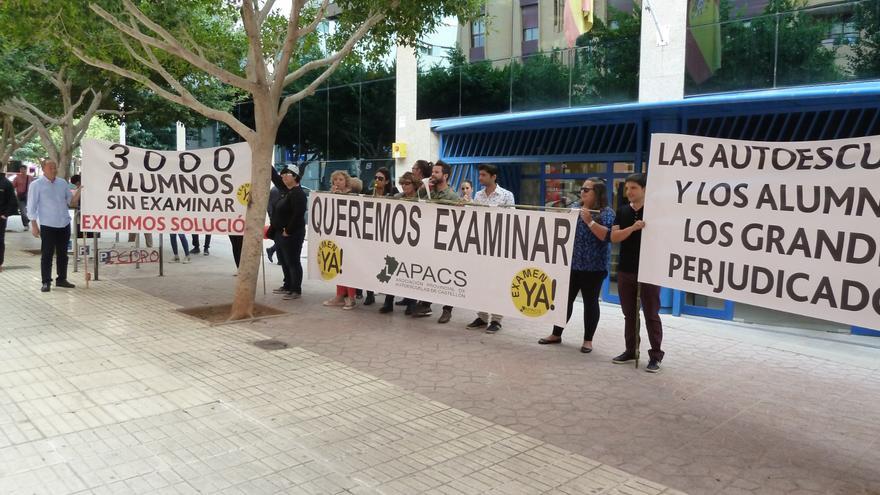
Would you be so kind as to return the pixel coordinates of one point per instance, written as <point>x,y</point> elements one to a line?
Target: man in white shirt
<point>49,199</point>
<point>491,195</point>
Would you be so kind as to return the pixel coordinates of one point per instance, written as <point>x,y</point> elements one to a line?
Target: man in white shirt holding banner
<point>491,195</point>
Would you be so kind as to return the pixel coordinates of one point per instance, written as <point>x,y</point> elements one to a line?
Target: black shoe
<point>410,309</point>
<point>446,316</point>
<point>281,290</point>
<point>206,251</point>
<point>402,302</point>
<point>194,250</point>
<point>45,287</point>
<point>65,284</point>
<point>653,366</point>
<point>478,323</point>
<point>624,358</point>
<point>493,327</point>
<point>386,309</point>
<point>370,300</point>
<point>269,254</point>
<point>422,311</point>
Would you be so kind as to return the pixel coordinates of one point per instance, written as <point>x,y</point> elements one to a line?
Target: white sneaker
<point>186,259</point>
<point>176,259</point>
<point>349,303</point>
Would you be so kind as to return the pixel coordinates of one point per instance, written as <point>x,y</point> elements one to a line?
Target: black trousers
<point>237,241</point>
<point>2,240</point>
<point>195,241</point>
<point>289,252</point>
<point>54,243</point>
<point>589,285</point>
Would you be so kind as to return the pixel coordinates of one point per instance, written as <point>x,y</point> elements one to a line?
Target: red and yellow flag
<point>703,39</point>
<point>577,19</point>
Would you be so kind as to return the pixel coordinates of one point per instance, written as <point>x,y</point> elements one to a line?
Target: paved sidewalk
<point>110,390</point>
<point>736,410</point>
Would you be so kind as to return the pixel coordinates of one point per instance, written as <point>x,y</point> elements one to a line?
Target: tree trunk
<point>262,148</point>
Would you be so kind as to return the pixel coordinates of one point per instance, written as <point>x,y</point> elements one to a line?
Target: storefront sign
<point>500,260</point>
<point>127,189</point>
<point>788,226</point>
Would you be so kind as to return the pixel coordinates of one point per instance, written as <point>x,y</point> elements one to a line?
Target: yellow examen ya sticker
<point>533,292</point>
<point>244,193</point>
<point>329,259</point>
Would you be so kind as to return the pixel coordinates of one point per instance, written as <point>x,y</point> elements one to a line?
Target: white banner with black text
<point>499,260</point>
<point>788,226</point>
<point>128,189</point>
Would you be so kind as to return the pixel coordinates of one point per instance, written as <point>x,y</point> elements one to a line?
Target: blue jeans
<point>183,242</point>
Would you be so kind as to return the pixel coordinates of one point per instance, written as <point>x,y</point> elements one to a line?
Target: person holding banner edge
<point>290,225</point>
<point>49,199</point>
<point>287,228</point>
<point>589,265</point>
<point>627,228</point>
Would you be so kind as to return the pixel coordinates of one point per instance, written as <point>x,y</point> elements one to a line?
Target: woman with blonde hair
<point>342,183</point>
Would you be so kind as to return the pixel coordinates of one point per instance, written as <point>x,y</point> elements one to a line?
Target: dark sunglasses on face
<point>379,177</point>
<point>586,189</point>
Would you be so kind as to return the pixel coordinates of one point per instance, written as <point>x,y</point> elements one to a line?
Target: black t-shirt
<point>629,249</point>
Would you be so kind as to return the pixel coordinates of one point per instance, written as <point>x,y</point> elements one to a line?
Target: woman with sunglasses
<point>409,190</point>
<point>589,266</point>
<point>382,186</point>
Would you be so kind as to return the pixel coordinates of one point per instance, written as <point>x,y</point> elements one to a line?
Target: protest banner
<point>788,226</point>
<point>505,261</point>
<point>128,189</point>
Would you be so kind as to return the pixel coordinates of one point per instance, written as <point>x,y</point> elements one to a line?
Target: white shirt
<point>499,197</point>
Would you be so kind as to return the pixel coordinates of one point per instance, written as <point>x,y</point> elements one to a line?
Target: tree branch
<point>342,53</point>
<point>290,40</point>
<point>186,99</point>
<point>170,44</point>
<point>319,16</point>
<point>310,89</point>
<point>267,9</point>
<point>256,65</point>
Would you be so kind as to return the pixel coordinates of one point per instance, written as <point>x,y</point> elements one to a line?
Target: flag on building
<point>703,39</point>
<point>577,19</point>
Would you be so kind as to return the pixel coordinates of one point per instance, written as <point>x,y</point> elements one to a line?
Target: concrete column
<point>421,143</point>
<point>661,65</point>
<point>181,137</point>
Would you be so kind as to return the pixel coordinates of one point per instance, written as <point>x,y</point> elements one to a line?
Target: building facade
<point>772,76</point>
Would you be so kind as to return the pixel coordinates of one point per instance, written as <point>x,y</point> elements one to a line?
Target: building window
<point>842,31</point>
<point>530,34</point>
<point>478,33</point>
<point>478,40</point>
<point>530,31</point>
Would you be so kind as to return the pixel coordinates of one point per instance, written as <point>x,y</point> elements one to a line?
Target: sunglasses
<point>586,189</point>
<point>379,177</point>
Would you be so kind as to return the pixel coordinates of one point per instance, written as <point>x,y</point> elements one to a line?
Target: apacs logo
<point>329,259</point>
<point>533,292</point>
<point>421,273</point>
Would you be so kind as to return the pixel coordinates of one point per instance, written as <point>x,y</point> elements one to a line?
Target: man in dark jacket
<point>8,207</point>
<point>288,225</point>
